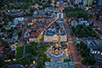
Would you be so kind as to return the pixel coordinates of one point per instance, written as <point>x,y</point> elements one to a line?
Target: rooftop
<point>59,65</point>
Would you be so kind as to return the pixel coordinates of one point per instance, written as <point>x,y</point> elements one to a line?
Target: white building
<point>17,20</point>
<point>85,23</point>
<point>74,23</point>
<point>60,15</point>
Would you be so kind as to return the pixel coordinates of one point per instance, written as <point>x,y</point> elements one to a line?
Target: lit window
<point>95,52</point>
<point>101,53</point>
<point>98,52</point>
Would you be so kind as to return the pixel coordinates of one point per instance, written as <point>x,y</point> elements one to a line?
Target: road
<point>74,54</point>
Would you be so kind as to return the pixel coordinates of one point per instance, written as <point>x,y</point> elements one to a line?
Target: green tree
<point>49,1</point>
<point>40,62</point>
<point>83,62</point>
<point>4,43</point>
<point>28,62</point>
<point>42,44</point>
<point>6,21</point>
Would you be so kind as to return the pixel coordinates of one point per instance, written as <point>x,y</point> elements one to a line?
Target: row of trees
<point>42,57</point>
<point>26,61</point>
<point>82,31</point>
<point>82,47</point>
<point>34,48</point>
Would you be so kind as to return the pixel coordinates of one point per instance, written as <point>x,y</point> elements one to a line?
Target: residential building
<point>100,2</point>
<point>19,20</point>
<point>80,1</point>
<point>96,51</point>
<point>74,23</point>
<point>84,2</point>
<point>38,26</point>
<point>95,47</point>
<point>68,1</point>
<point>76,1</point>
<point>85,23</point>
<point>89,2</point>
<point>59,65</point>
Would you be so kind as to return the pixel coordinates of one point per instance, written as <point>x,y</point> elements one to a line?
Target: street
<point>75,56</point>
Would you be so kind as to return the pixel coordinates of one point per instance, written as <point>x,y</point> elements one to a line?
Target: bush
<point>83,62</point>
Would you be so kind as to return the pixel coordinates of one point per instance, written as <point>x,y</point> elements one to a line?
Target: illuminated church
<point>56,49</point>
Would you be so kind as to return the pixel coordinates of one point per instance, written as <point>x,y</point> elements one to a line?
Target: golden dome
<point>56,45</point>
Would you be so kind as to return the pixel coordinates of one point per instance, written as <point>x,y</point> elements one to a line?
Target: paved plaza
<point>56,58</point>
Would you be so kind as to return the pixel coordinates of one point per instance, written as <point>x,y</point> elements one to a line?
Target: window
<point>93,52</point>
<point>98,52</point>
<point>101,53</point>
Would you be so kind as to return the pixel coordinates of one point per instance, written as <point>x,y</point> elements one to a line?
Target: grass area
<point>2,63</point>
<point>19,52</point>
<point>64,45</point>
<point>66,60</point>
<point>45,47</point>
<point>28,49</point>
<point>27,60</point>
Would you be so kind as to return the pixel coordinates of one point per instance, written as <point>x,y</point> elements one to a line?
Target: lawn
<point>19,52</point>
<point>2,63</point>
<point>64,45</point>
<point>26,60</point>
<point>45,47</point>
<point>66,60</point>
<point>28,49</point>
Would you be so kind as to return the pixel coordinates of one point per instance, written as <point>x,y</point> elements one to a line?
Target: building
<point>56,49</point>
<point>68,1</point>
<point>76,1</point>
<point>96,50</point>
<point>38,26</point>
<point>89,2</point>
<point>59,65</point>
<point>80,1</point>
<point>100,2</point>
<point>85,23</point>
<point>60,15</point>
<point>74,23</point>
<point>19,20</point>
<point>53,32</point>
<point>84,2</point>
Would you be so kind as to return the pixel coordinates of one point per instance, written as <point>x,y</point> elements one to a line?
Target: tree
<point>40,62</point>
<point>4,43</point>
<point>83,62</point>
<point>91,16</point>
<point>49,1</point>
<point>42,44</point>
<point>39,66</point>
<point>28,62</point>
<point>6,21</point>
<point>1,26</point>
<point>92,61</point>
<point>32,10</point>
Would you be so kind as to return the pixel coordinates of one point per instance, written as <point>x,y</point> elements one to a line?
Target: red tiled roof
<point>11,43</point>
<point>19,25</point>
<point>2,48</point>
<point>31,37</point>
<point>3,55</point>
